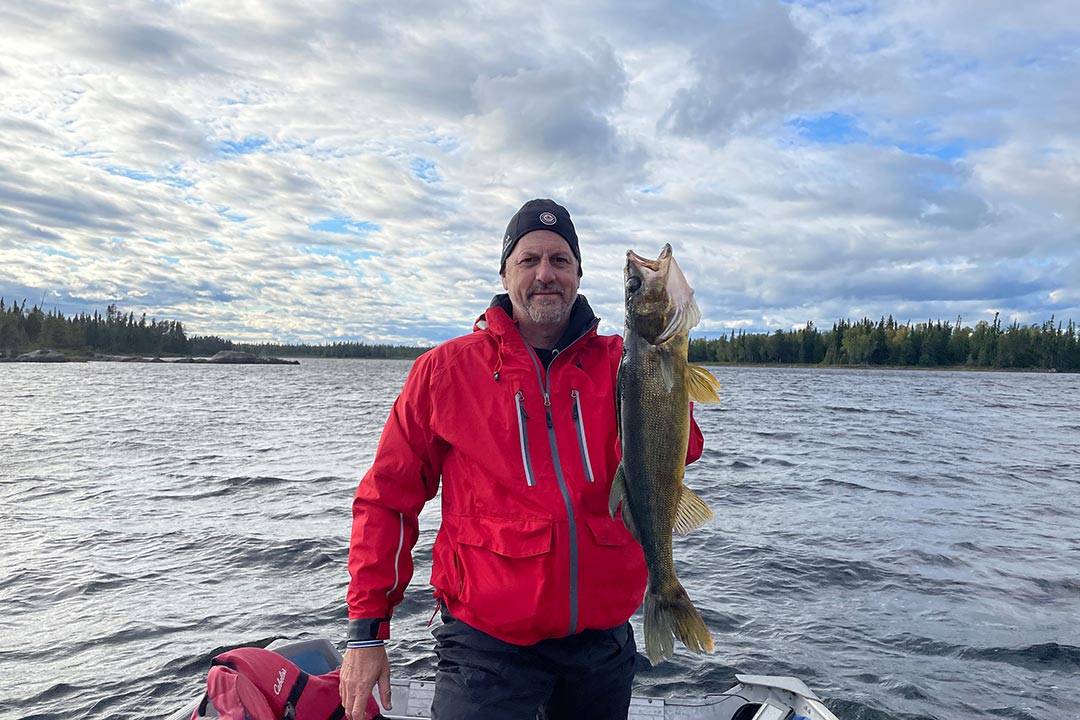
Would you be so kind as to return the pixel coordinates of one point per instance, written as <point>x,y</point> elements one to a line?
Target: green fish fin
<point>618,491</point>
<point>691,513</point>
<point>628,521</point>
<point>701,385</point>
<point>667,370</point>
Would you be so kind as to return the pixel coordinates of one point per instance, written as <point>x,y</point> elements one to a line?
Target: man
<point>536,580</point>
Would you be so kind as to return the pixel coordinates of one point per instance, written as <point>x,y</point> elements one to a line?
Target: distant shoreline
<point>908,368</point>
<point>234,357</point>
<point>47,356</point>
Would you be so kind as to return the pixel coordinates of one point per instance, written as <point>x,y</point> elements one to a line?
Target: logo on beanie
<point>547,218</point>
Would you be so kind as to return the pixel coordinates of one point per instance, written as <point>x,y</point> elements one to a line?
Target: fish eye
<point>633,283</point>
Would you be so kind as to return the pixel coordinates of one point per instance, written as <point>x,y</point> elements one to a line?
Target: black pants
<point>479,677</point>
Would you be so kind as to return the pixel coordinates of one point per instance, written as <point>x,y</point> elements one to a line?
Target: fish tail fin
<point>670,615</point>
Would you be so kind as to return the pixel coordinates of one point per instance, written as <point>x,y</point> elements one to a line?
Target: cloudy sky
<point>330,170</point>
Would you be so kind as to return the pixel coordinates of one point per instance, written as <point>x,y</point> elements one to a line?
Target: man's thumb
<point>384,690</point>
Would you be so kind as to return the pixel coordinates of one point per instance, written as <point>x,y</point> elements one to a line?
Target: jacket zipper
<point>523,434</point>
<point>544,379</point>
<point>583,445</point>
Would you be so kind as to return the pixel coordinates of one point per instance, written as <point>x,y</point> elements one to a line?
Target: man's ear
<point>502,276</point>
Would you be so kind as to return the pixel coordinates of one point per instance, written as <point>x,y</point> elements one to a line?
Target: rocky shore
<point>225,357</point>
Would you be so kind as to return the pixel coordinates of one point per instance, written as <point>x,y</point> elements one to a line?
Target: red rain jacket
<point>527,549</point>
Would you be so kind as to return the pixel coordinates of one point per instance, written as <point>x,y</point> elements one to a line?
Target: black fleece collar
<point>581,317</point>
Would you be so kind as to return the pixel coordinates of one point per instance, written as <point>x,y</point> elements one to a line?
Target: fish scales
<point>654,451</point>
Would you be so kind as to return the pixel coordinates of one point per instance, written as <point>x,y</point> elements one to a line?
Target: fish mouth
<point>645,263</point>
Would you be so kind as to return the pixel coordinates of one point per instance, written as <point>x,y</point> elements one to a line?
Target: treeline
<point>24,329</point>
<point>1050,346</point>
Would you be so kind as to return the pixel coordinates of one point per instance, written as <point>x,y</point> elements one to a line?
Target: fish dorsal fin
<point>701,385</point>
<point>692,512</point>
<point>685,313</point>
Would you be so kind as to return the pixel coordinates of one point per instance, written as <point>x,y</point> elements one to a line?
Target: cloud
<point>556,114</point>
<point>751,69</point>
<point>344,170</point>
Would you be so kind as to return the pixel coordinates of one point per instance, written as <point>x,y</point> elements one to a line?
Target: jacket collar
<point>500,313</point>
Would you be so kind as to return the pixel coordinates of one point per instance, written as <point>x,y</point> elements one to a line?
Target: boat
<point>754,697</point>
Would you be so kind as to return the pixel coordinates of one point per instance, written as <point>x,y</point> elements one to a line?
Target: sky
<point>343,171</point>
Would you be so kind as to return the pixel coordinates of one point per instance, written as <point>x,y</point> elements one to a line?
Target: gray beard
<point>548,315</point>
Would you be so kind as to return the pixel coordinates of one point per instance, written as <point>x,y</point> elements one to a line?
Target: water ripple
<point>901,541</point>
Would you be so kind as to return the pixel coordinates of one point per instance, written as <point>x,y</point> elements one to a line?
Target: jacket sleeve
<point>404,475</point>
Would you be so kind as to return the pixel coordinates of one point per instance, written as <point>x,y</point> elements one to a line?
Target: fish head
<point>659,302</point>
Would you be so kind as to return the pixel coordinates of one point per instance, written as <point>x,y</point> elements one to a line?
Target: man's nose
<point>545,271</point>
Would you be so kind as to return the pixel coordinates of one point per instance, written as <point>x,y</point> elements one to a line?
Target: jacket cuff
<point>369,629</point>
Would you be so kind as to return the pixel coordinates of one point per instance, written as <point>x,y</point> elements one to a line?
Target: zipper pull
<point>573,409</point>
<point>520,396</point>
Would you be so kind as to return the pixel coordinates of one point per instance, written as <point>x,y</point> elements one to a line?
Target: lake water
<point>908,543</point>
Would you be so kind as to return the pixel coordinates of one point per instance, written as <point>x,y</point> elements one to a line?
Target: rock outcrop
<point>225,357</point>
<point>42,355</point>
<point>237,357</point>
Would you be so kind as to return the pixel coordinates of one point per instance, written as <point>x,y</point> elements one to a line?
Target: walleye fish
<point>655,385</point>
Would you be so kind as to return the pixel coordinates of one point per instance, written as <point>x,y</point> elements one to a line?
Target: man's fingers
<point>346,696</point>
<point>354,701</point>
<point>384,688</point>
<point>361,669</point>
<point>359,709</point>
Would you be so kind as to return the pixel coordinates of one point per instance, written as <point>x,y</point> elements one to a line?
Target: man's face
<point>541,277</point>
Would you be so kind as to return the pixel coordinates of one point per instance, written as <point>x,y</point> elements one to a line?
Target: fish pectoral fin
<point>618,491</point>
<point>667,370</point>
<point>701,385</point>
<point>684,316</point>
<point>617,497</point>
<point>691,513</point>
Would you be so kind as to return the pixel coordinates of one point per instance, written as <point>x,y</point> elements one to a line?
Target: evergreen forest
<point>1053,345</point>
<point>1050,346</point>
<point>117,333</point>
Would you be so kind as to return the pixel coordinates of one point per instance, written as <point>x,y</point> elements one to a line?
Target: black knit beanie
<point>540,214</point>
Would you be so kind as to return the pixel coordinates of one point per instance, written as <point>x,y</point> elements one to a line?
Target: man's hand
<point>361,670</point>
